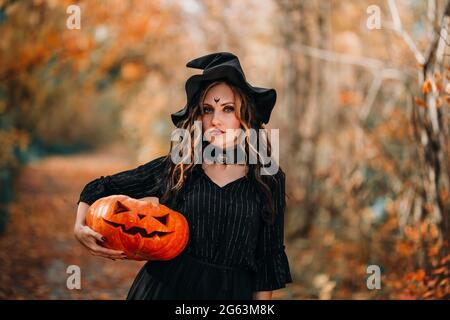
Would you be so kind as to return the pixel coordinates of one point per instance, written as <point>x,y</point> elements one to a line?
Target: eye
<point>228,109</point>
<point>162,219</point>
<point>120,208</point>
<point>207,110</point>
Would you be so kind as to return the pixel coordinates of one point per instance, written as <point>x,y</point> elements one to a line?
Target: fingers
<point>153,200</point>
<point>86,233</point>
<point>97,250</point>
<point>109,252</point>
<point>89,239</point>
<point>107,256</point>
<point>97,235</point>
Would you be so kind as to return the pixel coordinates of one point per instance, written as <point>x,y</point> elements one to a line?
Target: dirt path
<point>38,245</point>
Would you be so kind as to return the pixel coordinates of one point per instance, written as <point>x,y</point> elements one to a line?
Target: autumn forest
<point>87,89</point>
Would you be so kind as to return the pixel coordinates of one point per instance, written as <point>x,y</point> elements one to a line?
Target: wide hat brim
<point>264,98</point>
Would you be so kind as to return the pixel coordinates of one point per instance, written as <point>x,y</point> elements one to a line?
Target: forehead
<point>222,91</point>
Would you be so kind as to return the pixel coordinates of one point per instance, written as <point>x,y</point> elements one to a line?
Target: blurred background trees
<point>362,112</point>
<point>372,145</point>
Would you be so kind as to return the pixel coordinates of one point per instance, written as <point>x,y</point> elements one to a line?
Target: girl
<point>235,214</point>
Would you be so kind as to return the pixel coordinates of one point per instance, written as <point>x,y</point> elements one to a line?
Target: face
<point>142,231</point>
<point>219,119</point>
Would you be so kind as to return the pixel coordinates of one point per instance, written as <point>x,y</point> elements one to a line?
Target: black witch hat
<point>225,65</point>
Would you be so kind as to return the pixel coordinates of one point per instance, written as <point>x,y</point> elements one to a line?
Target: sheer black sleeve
<point>136,183</point>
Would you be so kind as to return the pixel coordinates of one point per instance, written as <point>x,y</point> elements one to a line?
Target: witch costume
<point>232,252</point>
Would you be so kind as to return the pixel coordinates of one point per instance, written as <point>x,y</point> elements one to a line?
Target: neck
<point>220,155</point>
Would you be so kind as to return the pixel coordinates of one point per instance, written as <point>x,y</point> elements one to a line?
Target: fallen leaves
<point>39,245</point>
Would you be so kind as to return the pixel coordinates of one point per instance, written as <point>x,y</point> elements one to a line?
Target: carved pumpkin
<point>143,231</point>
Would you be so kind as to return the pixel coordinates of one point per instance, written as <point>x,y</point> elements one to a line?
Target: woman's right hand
<point>91,239</point>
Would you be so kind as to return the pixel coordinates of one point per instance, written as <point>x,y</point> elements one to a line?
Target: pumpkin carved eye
<point>128,226</point>
<point>120,208</point>
<point>162,219</point>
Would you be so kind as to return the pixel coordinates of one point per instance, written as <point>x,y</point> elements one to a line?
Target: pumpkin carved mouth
<point>142,231</point>
<point>135,230</point>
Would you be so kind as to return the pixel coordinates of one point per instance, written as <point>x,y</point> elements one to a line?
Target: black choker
<point>229,155</point>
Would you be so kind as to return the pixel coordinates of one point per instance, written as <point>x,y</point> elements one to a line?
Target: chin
<point>220,142</point>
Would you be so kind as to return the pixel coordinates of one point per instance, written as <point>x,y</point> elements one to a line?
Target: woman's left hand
<point>152,200</point>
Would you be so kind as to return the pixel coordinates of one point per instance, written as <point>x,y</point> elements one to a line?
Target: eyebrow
<point>207,104</point>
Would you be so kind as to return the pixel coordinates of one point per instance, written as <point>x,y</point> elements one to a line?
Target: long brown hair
<point>176,174</point>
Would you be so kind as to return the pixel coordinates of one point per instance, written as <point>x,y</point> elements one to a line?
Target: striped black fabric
<point>225,223</point>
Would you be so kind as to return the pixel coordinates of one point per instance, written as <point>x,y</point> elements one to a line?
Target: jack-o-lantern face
<point>141,230</point>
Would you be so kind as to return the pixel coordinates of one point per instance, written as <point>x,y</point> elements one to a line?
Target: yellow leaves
<point>425,230</point>
<point>132,71</point>
<point>420,102</point>
<point>426,87</point>
<point>443,270</point>
<point>349,98</point>
<point>446,260</point>
<point>44,190</point>
<point>431,282</point>
<point>404,249</point>
<point>394,126</point>
<point>434,250</point>
<point>412,233</point>
<point>418,275</point>
<point>447,99</point>
<point>437,81</point>
<point>434,85</point>
<point>104,296</point>
<point>434,231</point>
<point>420,284</point>
<point>439,101</point>
<point>428,294</point>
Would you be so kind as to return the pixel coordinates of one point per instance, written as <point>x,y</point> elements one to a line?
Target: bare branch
<point>395,15</point>
<point>443,34</point>
<point>398,28</point>
<point>344,58</point>
<point>371,95</point>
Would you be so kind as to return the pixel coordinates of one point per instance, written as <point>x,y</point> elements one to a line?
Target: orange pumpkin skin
<point>143,231</point>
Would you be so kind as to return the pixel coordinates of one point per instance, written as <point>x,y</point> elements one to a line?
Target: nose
<point>215,118</point>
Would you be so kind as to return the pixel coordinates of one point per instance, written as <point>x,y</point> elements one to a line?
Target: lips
<point>216,132</point>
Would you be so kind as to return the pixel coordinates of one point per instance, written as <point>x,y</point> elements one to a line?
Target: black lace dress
<point>231,251</point>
